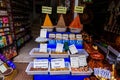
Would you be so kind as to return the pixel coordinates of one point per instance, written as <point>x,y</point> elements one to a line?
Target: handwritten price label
<point>46,9</point>
<point>61,10</point>
<point>78,9</point>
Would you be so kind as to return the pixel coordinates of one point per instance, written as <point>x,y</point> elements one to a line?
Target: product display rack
<point>7,45</point>
<point>20,21</point>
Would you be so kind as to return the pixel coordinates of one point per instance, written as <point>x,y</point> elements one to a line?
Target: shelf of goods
<point>19,15</point>
<point>7,45</point>
<point>66,73</point>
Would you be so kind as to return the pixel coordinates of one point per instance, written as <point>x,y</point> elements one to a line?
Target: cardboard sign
<point>82,60</point>
<point>59,47</point>
<point>46,9</point>
<point>73,49</point>
<point>74,62</point>
<point>61,10</point>
<point>78,9</point>
<point>57,63</point>
<point>43,33</point>
<point>40,63</point>
<point>43,48</point>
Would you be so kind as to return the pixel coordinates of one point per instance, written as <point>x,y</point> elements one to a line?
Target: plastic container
<point>49,29</point>
<point>62,72</point>
<point>80,52</point>
<point>61,29</point>
<point>82,73</point>
<point>58,55</point>
<point>35,72</point>
<point>35,53</point>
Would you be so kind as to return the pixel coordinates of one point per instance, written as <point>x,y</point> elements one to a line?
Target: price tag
<point>74,62</point>
<point>40,63</point>
<point>2,68</point>
<point>78,36</point>
<point>58,36</point>
<point>46,9</point>
<point>43,33</point>
<point>57,63</point>
<point>82,60</point>
<point>78,9</point>
<point>61,10</point>
<point>59,47</point>
<point>72,36</point>
<point>51,35</point>
<point>73,49</point>
<point>65,36</point>
<point>43,48</point>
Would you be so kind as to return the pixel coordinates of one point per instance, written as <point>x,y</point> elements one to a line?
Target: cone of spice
<point>76,25</point>
<point>61,27</point>
<point>47,23</point>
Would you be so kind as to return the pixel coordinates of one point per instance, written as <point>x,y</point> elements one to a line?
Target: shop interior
<point>60,39</point>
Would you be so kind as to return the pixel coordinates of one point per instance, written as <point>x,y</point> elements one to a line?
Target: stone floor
<point>22,75</point>
<point>23,55</point>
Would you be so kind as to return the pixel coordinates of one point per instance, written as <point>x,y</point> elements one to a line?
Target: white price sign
<point>82,60</point>
<point>2,68</point>
<point>59,47</point>
<point>43,33</point>
<point>43,48</point>
<point>40,63</point>
<point>57,63</point>
<point>73,49</point>
<point>74,62</point>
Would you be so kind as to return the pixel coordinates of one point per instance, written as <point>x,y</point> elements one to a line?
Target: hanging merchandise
<point>61,27</point>
<point>48,24</point>
<point>76,25</point>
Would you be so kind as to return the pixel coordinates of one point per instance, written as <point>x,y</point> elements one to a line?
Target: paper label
<point>59,47</point>
<point>43,33</point>
<point>43,48</point>
<point>40,63</point>
<point>65,36</point>
<point>72,36</point>
<point>57,63</point>
<point>61,10</point>
<point>46,9</point>
<point>82,60</point>
<point>78,9</point>
<point>73,49</point>
<point>51,35</point>
<point>78,36</point>
<point>58,36</point>
<point>74,62</point>
<point>3,68</point>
